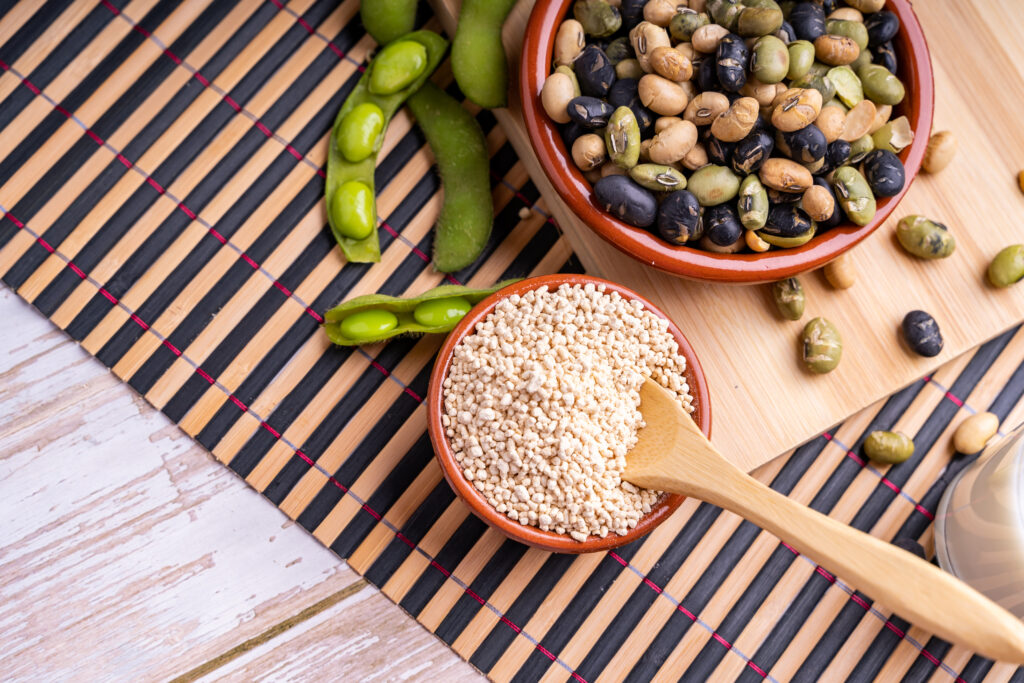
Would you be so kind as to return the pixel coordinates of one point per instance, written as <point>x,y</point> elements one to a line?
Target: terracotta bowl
<point>914,70</point>
<point>548,540</point>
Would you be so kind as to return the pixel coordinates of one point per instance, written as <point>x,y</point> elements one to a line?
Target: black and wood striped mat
<point>161,173</point>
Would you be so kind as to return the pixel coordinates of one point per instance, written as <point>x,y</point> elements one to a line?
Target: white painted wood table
<point>128,553</point>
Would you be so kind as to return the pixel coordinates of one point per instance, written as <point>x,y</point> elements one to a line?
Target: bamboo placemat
<point>161,173</point>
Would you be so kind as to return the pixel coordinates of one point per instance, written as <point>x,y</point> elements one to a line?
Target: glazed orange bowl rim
<point>914,70</point>
<point>530,535</point>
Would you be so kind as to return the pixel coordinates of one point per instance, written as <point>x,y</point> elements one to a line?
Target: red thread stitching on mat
<point>305,458</point>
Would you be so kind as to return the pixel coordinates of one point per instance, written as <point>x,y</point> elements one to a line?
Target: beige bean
<point>847,14</point>
<point>813,166</point>
<point>673,143</point>
<point>661,95</point>
<point>612,169</point>
<point>690,88</point>
<point>660,12</point>
<point>645,37</point>
<point>555,96</point>
<point>858,121</point>
<point>671,64</point>
<point>796,108</point>
<point>695,158</point>
<point>973,433</point>
<point>830,122</point>
<point>645,150</point>
<point>734,123</point>
<point>764,93</point>
<point>588,152</point>
<point>705,108</point>
<point>569,42</point>
<point>686,50</point>
<point>785,175</point>
<point>818,203</point>
<point>706,38</point>
<point>663,122</point>
<point>836,50</point>
<point>866,6</point>
<point>882,114</point>
<point>840,272</point>
<point>940,151</point>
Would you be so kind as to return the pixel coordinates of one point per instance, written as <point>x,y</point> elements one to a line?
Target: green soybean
<point>478,57</point>
<point>753,203</point>
<point>622,138</point>
<point>387,20</point>
<point>359,134</point>
<point>374,318</point>
<point>854,195</point>
<point>461,151</point>
<point>821,346</point>
<point>848,87</point>
<point>368,324</point>
<point>1007,267</point>
<point>341,171</point>
<point>789,298</point>
<point>396,66</point>
<point>888,447</point>
<point>925,238</point>
<point>854,30</point>
<point>441,312</point>
<point>353,209</point>
<point>769,61</point>
<point>801,58</point>
<point>881,85</point>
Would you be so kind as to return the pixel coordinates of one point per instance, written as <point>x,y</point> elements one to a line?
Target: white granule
<point>542,405</point>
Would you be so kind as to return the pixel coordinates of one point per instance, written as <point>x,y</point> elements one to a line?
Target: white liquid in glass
<point>979,525</point>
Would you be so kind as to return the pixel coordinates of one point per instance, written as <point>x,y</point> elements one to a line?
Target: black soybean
<point>752,151</point>
<point>591,112</point>
<point>922,334</point>
<point>624,199</point>
<point>780,197</point>
<point>806,145</point>
<point>786,33</point>
<point>838,153</point>
<point>625,93</point>
<point>594,71</point>
<point>721,225</point>
<point>885,55</point>
<point>718,152</point>
<point>632,12</point>
<point>837,214</point>
<point>707,77</point>
<point>679,218</point>
<point>884,172</point>
<point>787,220</point>
<point>570,131</point>
<point>731,62</point>
<point>808,21</point>
<point>882,27</point>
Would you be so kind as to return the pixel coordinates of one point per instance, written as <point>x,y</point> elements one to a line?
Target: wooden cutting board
<point>763,402</point>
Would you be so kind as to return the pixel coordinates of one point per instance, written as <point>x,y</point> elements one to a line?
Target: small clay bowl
<point>530,535</point>
<point>915,70</point>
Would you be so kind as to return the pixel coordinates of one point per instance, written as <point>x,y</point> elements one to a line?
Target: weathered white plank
<point>127,552</point>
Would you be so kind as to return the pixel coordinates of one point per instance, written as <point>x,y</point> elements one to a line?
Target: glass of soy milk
<point>979,525</point>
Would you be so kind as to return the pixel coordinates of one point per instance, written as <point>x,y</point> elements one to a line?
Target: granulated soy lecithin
<point>542,405</point>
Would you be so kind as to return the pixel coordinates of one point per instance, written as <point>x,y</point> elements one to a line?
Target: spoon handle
<point>913,588</point>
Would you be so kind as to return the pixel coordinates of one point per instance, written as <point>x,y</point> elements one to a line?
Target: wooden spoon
<point>673,455</point>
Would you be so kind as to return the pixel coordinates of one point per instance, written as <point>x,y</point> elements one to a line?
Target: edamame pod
<point>478,57</point>
<point>374,318</point>
<point>359,244</point>
<point>387,20</point>
<point>461,151</point>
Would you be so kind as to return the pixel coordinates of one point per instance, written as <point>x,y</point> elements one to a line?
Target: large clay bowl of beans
<point>691,379</point>
<point>739,262</point>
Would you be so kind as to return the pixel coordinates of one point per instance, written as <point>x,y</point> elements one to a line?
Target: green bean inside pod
<point>394,74</point>
<point>373,318</point>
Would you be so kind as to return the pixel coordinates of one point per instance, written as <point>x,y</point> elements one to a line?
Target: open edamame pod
<point>387,20</point>
<point>396,72</point>
<point>461,151</point>
<point>478,58</point>
<point>374,318</point>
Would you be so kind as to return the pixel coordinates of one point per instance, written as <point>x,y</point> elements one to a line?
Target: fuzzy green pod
<point>373,318</point>
<point>478,56</point>
<point>388,20</point>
